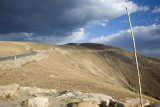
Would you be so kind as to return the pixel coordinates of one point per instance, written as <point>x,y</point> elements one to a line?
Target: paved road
<point>18,56</point>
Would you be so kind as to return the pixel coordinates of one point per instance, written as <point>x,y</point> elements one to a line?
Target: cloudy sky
<point>97,21</point>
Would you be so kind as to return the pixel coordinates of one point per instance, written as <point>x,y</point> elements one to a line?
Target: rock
<point>156,104</point>
<point>54,91</point>
<point>116,104</point>
<point>68,94</point>
<point>95,97</point>
<point>13,87</point>
<point>36,90</point>
<point>9,91</point>
<point>23,89</point>
<point>37,102</point>
<point>76,96</point>
<point>8,94</point>
<point>131,102</point>
<point>85,104</point>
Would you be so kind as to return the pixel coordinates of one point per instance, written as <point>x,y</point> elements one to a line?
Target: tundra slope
<point>88,68</point>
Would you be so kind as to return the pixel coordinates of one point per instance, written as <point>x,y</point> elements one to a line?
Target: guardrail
<point>18,56</point>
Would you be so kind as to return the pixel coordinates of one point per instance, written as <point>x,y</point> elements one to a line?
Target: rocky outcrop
<point>8,94</point>
<point>42,97</point>
<point>37,102</point>
<point>156,104</point>
<point>13,87</point>
<point>68,94</point>
<point>36,90</point>
<point>86,104</point>
<point>9,91</point>
<point>76,96</point>
<point>131,102</point>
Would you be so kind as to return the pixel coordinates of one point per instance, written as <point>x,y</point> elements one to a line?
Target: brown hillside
<point>87,68</point>
<point>125,63</point>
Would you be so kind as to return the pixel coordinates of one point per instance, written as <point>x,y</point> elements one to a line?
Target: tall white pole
<point>135,54</point>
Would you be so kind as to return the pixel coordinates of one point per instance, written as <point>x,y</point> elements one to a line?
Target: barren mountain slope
<point>125,63</point>
<point>87,68</point>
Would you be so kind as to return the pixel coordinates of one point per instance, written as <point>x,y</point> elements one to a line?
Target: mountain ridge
<point>79,67</point>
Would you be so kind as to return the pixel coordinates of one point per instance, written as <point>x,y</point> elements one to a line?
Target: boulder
<point>36,90</point>
<point>37,102</point>
<point>9,91</point>
<point>116,104</point>
<point>95,97</point>
<point>86,104</point>
<point>131,102</point>
<point>8,94</point>
<point>68,94</point>
<point>23,89</point>
<point>54,91</point>
<point>156,104</point>
<point>13,87</point>
<point>76,96</point>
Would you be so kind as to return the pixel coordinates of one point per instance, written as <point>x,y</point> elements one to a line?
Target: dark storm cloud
<point>36,16</point>
<point>56,17</point>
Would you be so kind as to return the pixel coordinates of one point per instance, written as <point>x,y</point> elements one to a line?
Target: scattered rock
<point>156,104</point>
<point>37,102</point>
<point>8,94</point>
<point>131,102</point>
<point>54,91</point>
<point>51,76</point>
<point>68,94</point>
<point>86,104</point>
<point>76,96</point>
<point>66,97</point>
<point>13,87</point>
<point>36,90</point>
<point>116,104</point>
<point>9,91</point>
<point>23,89</point>
<point>95,97</point>
<point>37,95</point>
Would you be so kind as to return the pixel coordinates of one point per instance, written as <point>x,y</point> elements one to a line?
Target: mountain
<point>85,67</point>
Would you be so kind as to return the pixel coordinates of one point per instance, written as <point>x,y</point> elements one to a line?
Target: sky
<point>83,21</point>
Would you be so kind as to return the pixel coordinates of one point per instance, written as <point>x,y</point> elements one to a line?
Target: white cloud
<point>111,8</point>
<point>156,10</point>
<point>142,32</point>
<point>145,8</point>
<point>145,36</point>
<point>102,24</point>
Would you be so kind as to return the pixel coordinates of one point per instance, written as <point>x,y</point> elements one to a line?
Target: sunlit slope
<point>87,68</point>
<point>124,62</point>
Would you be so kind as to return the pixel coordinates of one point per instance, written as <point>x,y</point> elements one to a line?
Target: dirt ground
<point>67,70</point>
